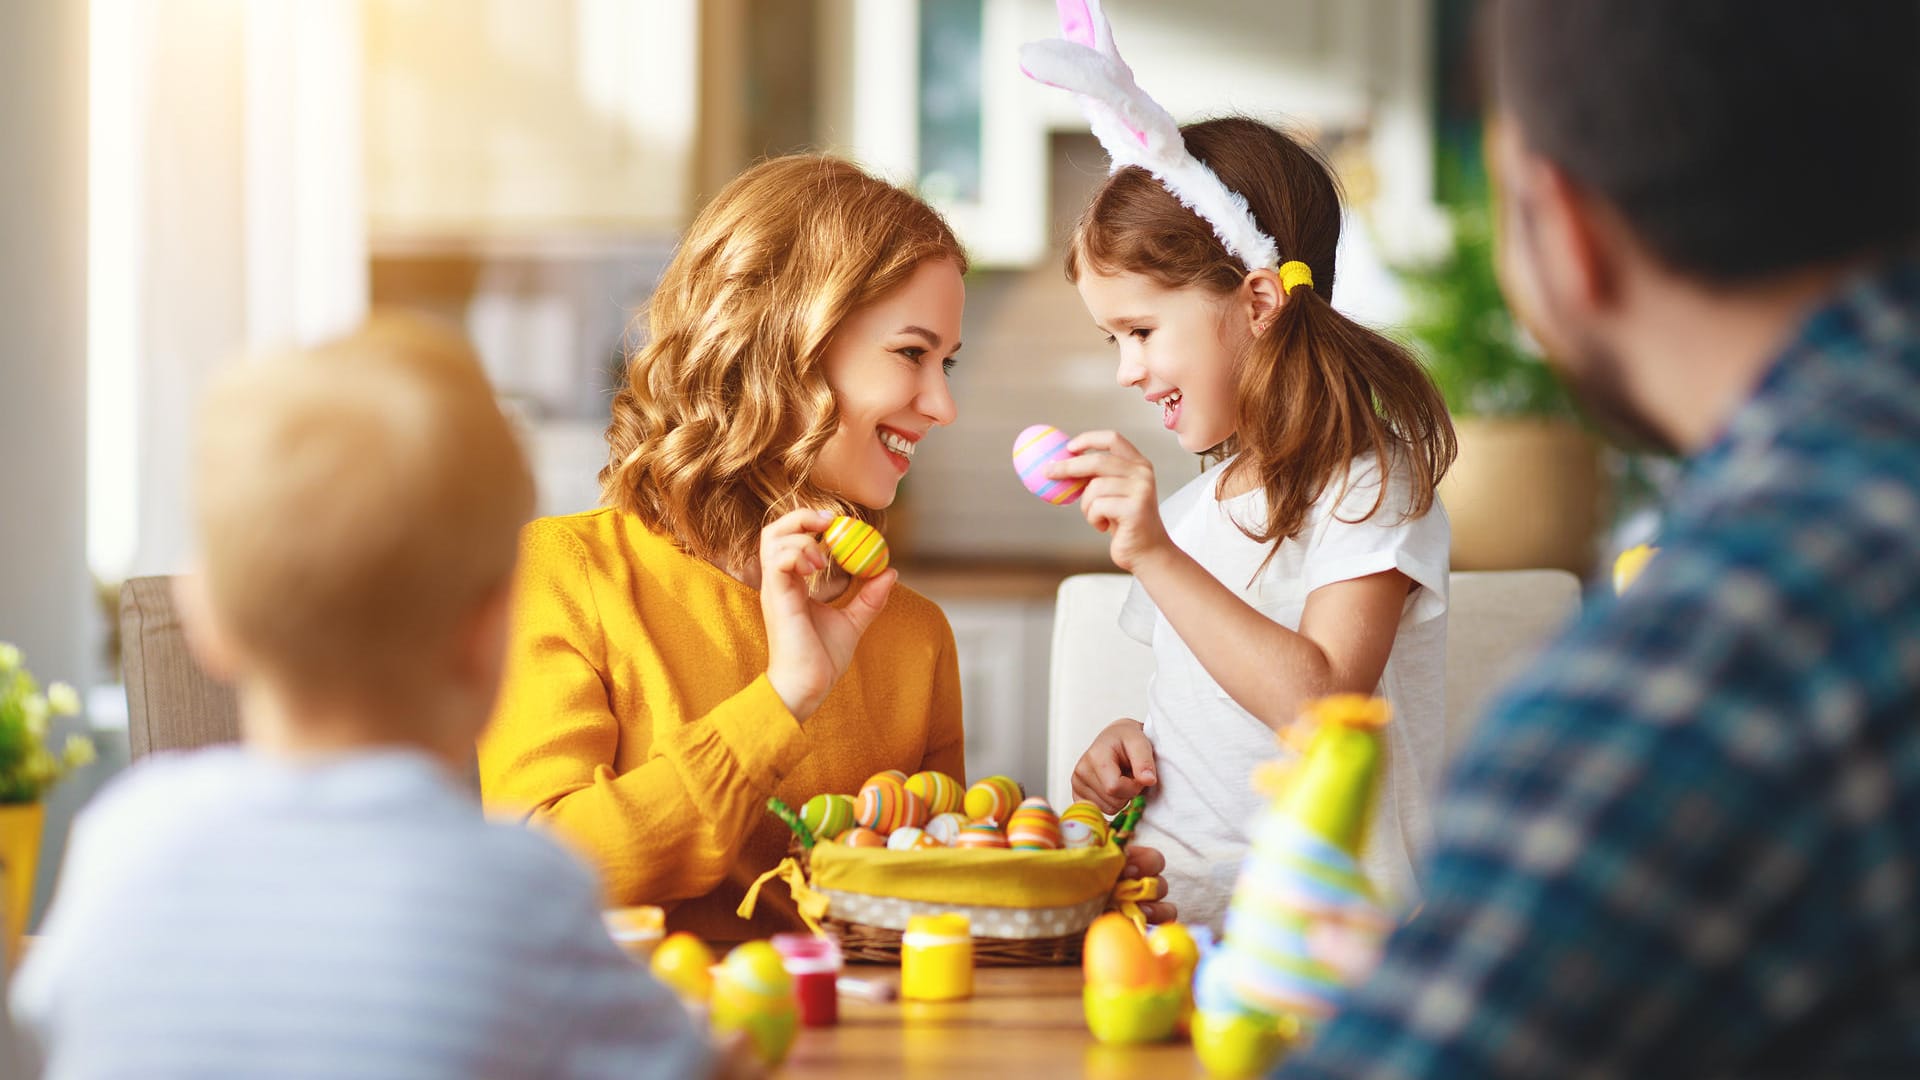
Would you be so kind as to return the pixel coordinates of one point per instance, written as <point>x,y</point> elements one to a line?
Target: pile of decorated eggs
<point>931,810</point>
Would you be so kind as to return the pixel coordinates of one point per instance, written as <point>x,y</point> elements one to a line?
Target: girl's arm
<point>1346,630</point>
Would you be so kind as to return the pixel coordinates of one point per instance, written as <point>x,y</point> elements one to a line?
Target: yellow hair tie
<point>1293,274</point>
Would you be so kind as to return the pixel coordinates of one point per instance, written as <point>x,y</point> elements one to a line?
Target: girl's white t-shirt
<point>1206,746</point>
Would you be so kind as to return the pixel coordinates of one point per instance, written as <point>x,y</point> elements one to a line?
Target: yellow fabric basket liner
<point>990,878</point>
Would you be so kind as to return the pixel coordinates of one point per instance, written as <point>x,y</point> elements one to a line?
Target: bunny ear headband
<point>1136,131</point>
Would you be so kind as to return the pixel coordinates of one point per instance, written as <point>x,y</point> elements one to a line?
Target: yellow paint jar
<point>936,958</point>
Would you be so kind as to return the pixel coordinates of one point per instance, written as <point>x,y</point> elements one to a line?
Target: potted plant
<point>1525,490</point>
<point>28,770</point>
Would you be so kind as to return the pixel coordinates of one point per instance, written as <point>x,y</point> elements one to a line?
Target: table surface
<point>1020,1022</point>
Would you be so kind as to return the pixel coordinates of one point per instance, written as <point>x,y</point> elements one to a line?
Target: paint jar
<point>936,958</point>
<point>637,930</point>
<point>814,962</point>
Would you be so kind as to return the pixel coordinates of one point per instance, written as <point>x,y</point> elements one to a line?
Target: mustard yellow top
<point>636,719</point>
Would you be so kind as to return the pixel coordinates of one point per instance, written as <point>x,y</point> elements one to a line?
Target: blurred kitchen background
<point>191,179</point>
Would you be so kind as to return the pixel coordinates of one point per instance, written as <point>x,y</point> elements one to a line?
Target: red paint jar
<point>814,963</point>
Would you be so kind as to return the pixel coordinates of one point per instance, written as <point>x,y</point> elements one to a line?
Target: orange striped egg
<point>861,836</point>
<point>981,834</point>
<point>895,773</point>
<point>1083,825</point>
<point>885,804</point>
<point>939,791</point>
<point>993,799</point>
<point>857,546</point>
<point>1034,827</point>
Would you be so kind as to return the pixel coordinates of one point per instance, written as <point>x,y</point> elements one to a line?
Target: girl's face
<point>1179,346</point>
<point>887,365</point>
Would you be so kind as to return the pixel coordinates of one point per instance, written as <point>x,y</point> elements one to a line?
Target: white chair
<point>1496,620</point>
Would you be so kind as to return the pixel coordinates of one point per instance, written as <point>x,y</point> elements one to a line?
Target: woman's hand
<point>809,644</point>
<point>1120,499</point>
<point>1118,766</point>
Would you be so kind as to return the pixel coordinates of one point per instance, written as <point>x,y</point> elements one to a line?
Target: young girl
<point>1310,557</point>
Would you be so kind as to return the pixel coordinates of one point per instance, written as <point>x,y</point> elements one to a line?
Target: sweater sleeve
<point>550,749</point>
<point>946,741</point>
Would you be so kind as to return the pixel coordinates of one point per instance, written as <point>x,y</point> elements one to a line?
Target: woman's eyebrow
<point>933,339</point>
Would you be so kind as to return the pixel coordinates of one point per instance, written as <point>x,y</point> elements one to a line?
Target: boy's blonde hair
<point>724,412</point>
<point>356,504</point>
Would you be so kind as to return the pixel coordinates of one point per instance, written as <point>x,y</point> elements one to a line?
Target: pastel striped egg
<point>946,827</point>
<point>885,804</point>
<point>909,838</point>
<point>827,816</point>
<point>980,834</point>
<point>861,836</point>
<point>857,546</point>
<point>939,791</point>
<point>1036,448</point>
<point>993,799</point>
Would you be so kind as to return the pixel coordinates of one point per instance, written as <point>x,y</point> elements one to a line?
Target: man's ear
<point>207,639</point>
<point>1578,237</point>
<point>1262,297</point>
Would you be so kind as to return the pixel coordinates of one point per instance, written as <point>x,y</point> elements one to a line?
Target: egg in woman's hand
<point>857,546</point>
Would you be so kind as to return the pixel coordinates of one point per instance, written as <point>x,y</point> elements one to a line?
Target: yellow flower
<point>34,708</point>
<point>78,753</point>
<point>62,700</point>
<point>40,766</point>
<point>9,656</point>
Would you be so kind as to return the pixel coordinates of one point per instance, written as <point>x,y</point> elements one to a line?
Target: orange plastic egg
<point>1116,956</point>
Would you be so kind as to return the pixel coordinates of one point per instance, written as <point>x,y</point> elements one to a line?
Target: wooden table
<point>1021,1022</point>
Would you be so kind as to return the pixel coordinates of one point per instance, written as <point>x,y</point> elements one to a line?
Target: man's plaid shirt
<point>1687,842</point>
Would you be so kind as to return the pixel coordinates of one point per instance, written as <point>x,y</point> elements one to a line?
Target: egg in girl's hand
<point>993,799</point>
<point>861,836</point>
<point>1036,448</point>
<point>940,792</point>
<point>946,828</point>
<point>857,546</point>
<point>827,816</point>
<point>981,834</point>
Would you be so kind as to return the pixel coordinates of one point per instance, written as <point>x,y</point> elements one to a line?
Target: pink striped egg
<point>1036,448</point>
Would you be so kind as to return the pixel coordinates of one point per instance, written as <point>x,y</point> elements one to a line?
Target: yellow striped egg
<point>981,834</point>
<point>993,799</point>
<point>1034,827</point>
<point>939,791</point>
<point>885,804</point>
<point>1083,825</point>
<point>857,546</point>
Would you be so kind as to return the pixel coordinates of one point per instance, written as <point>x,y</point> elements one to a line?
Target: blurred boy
<point>326,897</point>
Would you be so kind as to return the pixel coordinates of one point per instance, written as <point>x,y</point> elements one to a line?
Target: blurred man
<point>1688,842</point>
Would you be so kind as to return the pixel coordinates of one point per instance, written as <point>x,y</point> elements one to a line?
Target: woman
<point>685,652</point>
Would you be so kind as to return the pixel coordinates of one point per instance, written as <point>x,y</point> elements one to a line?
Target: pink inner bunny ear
<point>1076,21</point>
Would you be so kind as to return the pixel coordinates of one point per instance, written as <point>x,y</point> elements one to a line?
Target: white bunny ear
<point>1135,130</point>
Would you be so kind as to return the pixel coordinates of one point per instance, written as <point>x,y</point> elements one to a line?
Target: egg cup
<point>1124,1017</point>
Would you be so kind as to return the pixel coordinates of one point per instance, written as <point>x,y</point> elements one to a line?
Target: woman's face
<point>887,366</point>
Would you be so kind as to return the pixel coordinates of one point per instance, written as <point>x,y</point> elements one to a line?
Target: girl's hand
<point>1118,766</point>
<point>809,644</point>
<point>1120,498</point>
<point>1148,862</point>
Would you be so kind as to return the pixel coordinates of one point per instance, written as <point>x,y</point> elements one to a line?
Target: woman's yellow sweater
<point>636,718</point>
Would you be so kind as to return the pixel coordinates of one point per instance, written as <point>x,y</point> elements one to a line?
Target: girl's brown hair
<point>1315,389</point>
<point>726,408</point>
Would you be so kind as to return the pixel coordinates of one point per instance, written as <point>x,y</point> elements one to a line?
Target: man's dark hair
<point>1740,139</point>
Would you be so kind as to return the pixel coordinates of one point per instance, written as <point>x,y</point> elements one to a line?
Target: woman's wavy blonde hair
<point>726,409</point>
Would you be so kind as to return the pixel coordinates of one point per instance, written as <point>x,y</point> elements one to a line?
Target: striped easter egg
<point>993,799</point>
<point>857,546</point>
<point>939,791</point>
<point>885,804</point>
<point>827,816</point>
<point>909,838</point>
<point>980,834</point>
<point>1036,448</point>
<point>895,773</point>
<point>1083,825</point>
<point>1034,827</point>
<point>946,827</point>
<point>861,836</point>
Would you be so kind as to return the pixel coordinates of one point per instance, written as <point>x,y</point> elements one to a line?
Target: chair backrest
<point>1496,620</point>
<point>172,704</point>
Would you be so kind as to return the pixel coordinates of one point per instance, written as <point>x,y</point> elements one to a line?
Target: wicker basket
<point>870,924</point>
